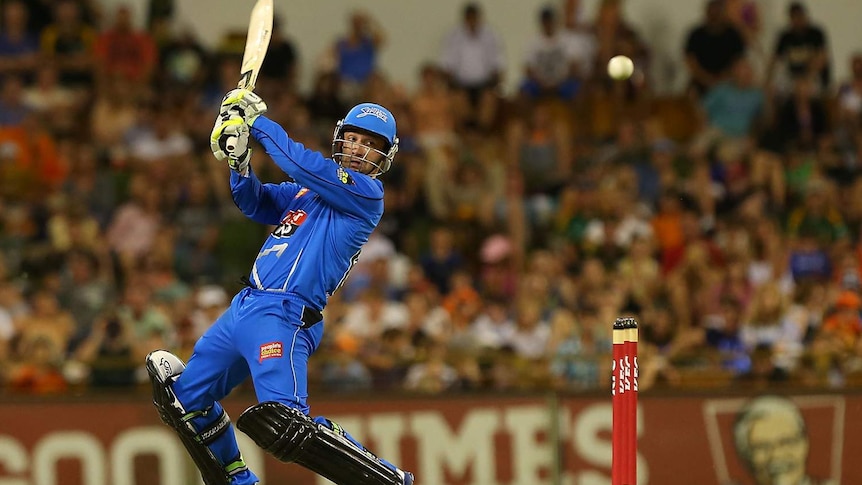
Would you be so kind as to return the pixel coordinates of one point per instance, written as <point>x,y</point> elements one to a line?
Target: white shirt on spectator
<point>472,59</point>
<point>531,343</point>
<point>550,58</point>
<point>360,323</point>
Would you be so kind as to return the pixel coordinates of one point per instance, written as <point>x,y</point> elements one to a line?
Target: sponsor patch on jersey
<point>290,223</point>
<point>271,350</point>
<point>301,192</point>
<point>344,177</point>
<point>371,111</point>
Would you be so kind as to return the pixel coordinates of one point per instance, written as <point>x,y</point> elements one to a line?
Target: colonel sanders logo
<point>290,223</point>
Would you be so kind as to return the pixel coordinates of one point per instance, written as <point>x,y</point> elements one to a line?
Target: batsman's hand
<point>229,141</point>
<point>244,103</point>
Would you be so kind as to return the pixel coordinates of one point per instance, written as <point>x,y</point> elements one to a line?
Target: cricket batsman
<point>322,218</point>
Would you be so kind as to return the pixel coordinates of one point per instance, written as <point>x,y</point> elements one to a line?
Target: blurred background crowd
<point>518,226</point>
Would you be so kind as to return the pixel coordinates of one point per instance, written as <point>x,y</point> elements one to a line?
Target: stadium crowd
<point>725,218</point>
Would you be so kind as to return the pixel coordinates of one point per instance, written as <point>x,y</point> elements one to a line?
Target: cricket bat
<point>256,43</point>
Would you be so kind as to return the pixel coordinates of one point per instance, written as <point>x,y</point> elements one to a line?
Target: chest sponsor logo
<point>290,223</point>
<point>271,350</point>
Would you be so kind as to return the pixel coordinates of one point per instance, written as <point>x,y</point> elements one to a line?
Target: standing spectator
<point>279,70</point>
<point>711,49</point>
<point>125,51</point>
<point>551,63</point>
<point>68,42</point>
<point>473,60</point>
<point>355,54</point>
<point>802,47</point>
<point>19,48</point>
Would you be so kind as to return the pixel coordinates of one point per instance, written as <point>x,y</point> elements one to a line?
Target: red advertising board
<point>694,440</point>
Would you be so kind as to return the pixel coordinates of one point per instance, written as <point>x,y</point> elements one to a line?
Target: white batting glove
<point>229,141</point>
<point>244,103</point>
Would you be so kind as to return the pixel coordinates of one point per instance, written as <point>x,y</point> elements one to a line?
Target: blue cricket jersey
<point>322,219</point>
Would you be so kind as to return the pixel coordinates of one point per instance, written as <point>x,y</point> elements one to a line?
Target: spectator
<point>68,43</point>
<point>122,50</point>
<point>355,54</point>
<point>850,94</point>
<point>19,47</point>
<point>551,64</point>
<point>40,373</point>
<point>724,339</point>
<point>473,60</point>
<point>184,62</point>
<point>110,353</point>
<point>712,48</point>
<point>733,108</point>
<point>280,66</point>
<point>442,259</point>
<point>803,48</point>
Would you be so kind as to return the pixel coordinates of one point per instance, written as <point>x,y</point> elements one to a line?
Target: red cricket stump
<point>625,402</point>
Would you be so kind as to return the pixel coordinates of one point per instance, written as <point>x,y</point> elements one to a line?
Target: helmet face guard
<point>372,119</point>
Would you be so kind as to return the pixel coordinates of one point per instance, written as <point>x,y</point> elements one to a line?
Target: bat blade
<point>256,43</point>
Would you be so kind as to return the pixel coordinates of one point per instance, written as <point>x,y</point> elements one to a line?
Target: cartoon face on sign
<point>773,441</point>
<point>290,223</point>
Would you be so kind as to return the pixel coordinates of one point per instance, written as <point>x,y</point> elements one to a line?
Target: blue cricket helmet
<point>370,118</point>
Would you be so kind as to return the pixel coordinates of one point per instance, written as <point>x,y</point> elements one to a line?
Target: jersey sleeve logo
<point>301,192</point>
<point>290,223</point>
<point>344,177</point>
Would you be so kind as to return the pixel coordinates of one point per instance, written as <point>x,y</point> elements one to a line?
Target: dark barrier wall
<point>683,440</point>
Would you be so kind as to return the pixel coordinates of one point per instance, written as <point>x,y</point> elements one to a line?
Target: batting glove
<point>229,141</point>
<point>244,103</point>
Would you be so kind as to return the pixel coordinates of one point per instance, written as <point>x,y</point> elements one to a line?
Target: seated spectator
<point>343,372</point>
<point>769,323</point>
<point>723,337</point>
<point>68,44</point>
<point>850,94</point>
<point>803,48</point>
<point>113,113</point>
<point>41,370</point>
<point>110,353</point>
<point>532,332</point>
<point>441,259</point>
<point>46,320</point>
<point>711,48</point>
<point>817,215</point>
<point>473,61</point>
<point>19,48</point>
<point>13,108</point>
<point>133,228</point>
<point>390,359</point>
<point>552,69</point>
<point>433,375</point>
<point>808,260</point>
<point>56,105</point>
<point>372,314</point>
<point>801,120</point>
<point>842,328</point>
<point>733,108</point>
